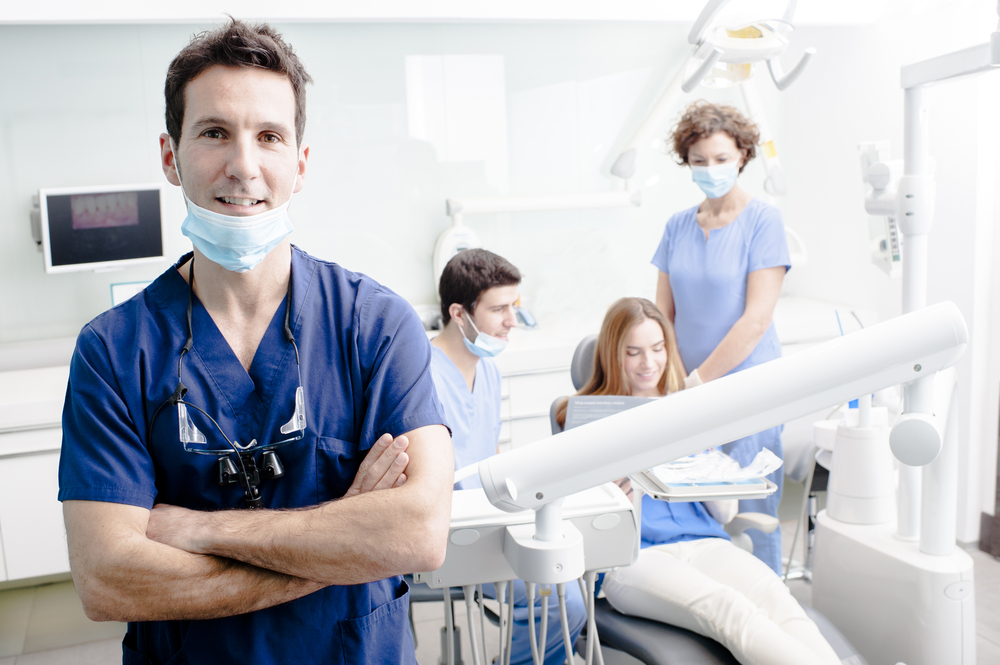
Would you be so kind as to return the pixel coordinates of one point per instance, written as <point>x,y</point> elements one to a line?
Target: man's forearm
<point>353,540</point>
<point>203,587</point>
<point>181,585</point>
<point>121,575</point>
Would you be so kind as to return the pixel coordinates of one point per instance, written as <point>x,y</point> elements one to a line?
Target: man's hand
<point>384,466</point>
<point>176,527</point>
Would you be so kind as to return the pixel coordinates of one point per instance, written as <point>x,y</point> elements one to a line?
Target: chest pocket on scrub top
<point>337,462</point>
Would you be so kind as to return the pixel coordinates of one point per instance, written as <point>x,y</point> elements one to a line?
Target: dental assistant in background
<point>265,346</point>
<point>721,266</point>
<point>478,291</point>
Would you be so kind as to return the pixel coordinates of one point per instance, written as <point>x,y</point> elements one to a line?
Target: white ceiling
<point>810,12</point>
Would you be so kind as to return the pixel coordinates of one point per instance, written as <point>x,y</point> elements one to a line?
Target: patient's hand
<point>384,466</point>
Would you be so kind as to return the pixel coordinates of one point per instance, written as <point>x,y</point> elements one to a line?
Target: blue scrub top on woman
<point>364,370</point>
<point>708,280</point>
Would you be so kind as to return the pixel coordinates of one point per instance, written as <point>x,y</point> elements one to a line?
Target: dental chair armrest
<point>744,521</point>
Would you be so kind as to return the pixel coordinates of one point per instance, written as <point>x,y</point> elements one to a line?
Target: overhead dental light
<point>724,55</point>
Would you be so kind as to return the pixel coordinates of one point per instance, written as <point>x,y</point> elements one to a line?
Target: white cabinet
<point>32,534</point>
<point>31,522</point>
<point>526,399</point>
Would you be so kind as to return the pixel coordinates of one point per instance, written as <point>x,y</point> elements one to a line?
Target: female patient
<point>688,572</point>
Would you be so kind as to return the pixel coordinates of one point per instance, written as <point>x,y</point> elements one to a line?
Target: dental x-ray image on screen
<point>98,228</point>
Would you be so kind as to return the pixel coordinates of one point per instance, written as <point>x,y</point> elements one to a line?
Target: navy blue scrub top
<point>365,371</point>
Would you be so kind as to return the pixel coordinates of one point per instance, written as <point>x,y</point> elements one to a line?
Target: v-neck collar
<point>457,372</point>
<point>249,395</point>
<point>701,231</point>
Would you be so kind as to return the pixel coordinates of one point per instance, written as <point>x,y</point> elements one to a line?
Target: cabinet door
<point>533,394</point>
<point>34,537</point>
<point>528,430</point>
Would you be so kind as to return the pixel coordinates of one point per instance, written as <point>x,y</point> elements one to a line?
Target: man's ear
<point>300,173</point>
<point>168,160</point>
<point>456,311</point>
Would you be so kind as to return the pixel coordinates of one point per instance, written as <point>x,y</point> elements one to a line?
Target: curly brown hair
<point>702,119</point>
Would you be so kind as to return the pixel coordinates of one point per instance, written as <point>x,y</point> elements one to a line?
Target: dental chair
<point>655,643</point>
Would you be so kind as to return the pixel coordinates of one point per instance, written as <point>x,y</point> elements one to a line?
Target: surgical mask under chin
<point>485,346</point>
<point>716,180</point>
<point>235,243</point>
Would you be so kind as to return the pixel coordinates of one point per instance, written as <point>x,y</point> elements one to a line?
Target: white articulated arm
<point>782,81</point>
<point>897,351</point>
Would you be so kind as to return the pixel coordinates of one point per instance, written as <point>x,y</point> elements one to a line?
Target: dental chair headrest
<point>583,361</point>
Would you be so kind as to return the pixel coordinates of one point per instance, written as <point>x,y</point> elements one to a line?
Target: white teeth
<point>239,202</point>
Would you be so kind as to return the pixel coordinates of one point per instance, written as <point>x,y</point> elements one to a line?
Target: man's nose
<point>242,163</point>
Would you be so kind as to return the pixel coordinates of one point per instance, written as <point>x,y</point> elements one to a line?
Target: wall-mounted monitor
<point>100,228</point>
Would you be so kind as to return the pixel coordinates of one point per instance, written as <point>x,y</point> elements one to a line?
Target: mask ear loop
<point>177,170</point>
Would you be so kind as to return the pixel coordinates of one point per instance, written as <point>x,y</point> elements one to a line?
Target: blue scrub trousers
<point>766,546</point>
<point>555,653</point>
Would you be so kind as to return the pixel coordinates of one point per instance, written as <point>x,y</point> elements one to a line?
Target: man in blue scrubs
<point>252,375</point>
<point>478,291</point>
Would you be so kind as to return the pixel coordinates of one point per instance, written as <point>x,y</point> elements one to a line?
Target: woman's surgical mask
<point>235,243</point>
<point>485,346</point>
<point>716,180</point>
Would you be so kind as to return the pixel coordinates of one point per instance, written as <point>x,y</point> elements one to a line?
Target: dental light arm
<point>712,46</point>
<point>897,351</point>
<point>782,81</point>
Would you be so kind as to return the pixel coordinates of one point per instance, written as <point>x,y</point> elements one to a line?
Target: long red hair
<point>608,376</point>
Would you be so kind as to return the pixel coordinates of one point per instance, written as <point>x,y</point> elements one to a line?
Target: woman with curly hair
<point>721,266</point>
<point>688,572</point>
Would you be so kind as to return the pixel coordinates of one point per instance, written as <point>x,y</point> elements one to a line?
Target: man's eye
<point>212,134</point>
<point>270,138</point>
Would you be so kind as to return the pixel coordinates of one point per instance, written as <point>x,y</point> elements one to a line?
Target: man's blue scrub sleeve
<point>395,362</point>
<point>103,455</point>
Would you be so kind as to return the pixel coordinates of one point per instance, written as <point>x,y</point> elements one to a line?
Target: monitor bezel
<point>98,266</point>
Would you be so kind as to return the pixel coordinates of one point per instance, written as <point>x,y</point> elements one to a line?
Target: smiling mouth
<point>232,200</point>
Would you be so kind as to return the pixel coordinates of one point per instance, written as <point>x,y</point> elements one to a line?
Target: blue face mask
<point>485,346</point>
<point>716,180</point>
<point>235,243</point>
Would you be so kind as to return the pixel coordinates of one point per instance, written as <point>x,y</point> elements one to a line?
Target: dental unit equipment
<point>555,518</point>
<point>898,586</point>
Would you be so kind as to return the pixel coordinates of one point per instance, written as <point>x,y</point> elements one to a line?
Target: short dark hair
<point>702,119</point>
<point>468,274</point>
<point>241,45</point>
